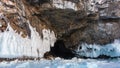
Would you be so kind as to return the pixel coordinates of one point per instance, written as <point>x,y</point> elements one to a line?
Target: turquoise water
<point>61,63</point>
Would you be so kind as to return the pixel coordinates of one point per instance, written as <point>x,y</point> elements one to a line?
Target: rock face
<point>73,21</point>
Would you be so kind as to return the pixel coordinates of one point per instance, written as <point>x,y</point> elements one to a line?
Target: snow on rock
<point>12,45</point>
<point>64,4</point>
<point>94,50</point>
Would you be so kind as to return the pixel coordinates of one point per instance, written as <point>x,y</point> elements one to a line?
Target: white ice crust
<point>13,45</point>
<point>94,50</point>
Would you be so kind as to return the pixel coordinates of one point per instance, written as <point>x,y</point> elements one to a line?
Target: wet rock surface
<point>94,21</point>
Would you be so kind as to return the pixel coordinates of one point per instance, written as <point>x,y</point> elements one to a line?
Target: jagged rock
<point>112,9</point>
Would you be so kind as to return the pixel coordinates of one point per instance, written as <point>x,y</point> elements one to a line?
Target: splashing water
<point>12,45</point>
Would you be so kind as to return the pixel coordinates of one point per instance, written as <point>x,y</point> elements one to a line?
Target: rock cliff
<point>73,21</point>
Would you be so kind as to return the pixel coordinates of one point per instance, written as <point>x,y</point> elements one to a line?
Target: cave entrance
<point>59,50</point>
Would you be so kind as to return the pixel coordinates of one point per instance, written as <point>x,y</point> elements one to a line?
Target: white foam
<point>13,45</point>
<point>94,50</point>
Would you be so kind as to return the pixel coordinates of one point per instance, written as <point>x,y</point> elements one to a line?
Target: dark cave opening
<point>59,50</point>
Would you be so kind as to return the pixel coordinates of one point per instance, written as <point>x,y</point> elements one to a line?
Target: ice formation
<point>94,50</point>
<point>12,45</point>
<point>60,63</point>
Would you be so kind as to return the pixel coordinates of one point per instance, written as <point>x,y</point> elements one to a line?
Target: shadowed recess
<point>59,50</point>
